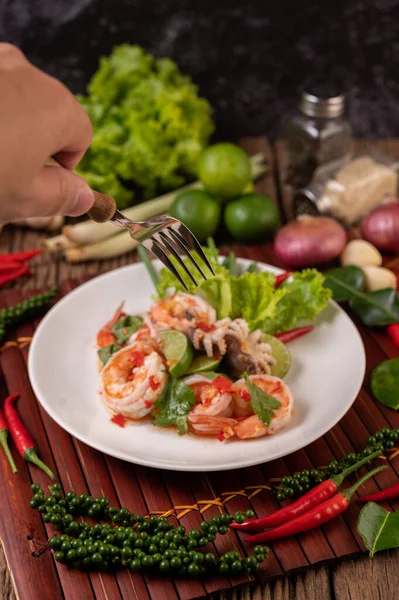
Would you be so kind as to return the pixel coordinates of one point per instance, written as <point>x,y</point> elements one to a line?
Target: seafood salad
<point>183,367</point>
<point>210,361</point>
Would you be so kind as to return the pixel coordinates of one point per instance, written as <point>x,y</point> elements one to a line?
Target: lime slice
<point>177,350</point>
<point>280,353</point>
<point>203,363</point>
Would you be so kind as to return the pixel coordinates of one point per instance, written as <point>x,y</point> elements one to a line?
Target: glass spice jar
<point>316,135</point>
<point>348,189</point>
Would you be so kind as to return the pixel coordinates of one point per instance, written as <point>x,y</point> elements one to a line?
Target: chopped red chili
<point>222,384</point>
<point>220,436</point>
<point>245,395</point>
<point>148,403</point>
<point>137,358</point>
<point>154,383</point>
<point>281,278</point>
<point>119,420</point>
<point>205,327</point>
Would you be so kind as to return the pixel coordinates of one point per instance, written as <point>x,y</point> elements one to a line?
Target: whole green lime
<point>253,217</point>
<point>225,170</point>
<point>198,211</point>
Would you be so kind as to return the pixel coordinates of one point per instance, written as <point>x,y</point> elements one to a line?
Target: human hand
<point>39,118</point>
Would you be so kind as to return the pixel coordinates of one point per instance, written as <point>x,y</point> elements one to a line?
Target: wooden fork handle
<point>104,206</point>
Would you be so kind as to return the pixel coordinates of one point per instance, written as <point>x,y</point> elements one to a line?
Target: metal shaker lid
<point>318,106</point>
<point>311,200</point>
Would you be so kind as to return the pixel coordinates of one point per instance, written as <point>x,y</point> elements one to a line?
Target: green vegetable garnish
<point>378,308</point>
<point>262,403</point>
<point>125,328</point>
<point>104,354</point>
<point>378,528</point>
<point>149,124</point>
<point>253,296</point>
<point>385,383</point>
<point>173,406</point>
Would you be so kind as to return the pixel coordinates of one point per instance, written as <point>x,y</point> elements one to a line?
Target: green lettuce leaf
<point>253,296</point>
<point>305,299</point>
<point>173,406</point>
<point>149,125</point>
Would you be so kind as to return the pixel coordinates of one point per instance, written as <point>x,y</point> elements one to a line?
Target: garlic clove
<point>378,278</point>
<point>361,254</point>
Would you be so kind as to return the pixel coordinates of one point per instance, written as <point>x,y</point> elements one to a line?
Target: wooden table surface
<point>360,579</point>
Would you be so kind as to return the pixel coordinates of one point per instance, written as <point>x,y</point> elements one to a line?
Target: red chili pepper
<point>315,517</point>
<point>21,436</point>
<point>391,492</point>
<point>10,266</point>
<point>137,358</point>
<point>281,278</point>
<point>245,395</point>
<point>119,420</point>
<point>205,327</point>
<point>393,332</point>
<point>154,383</point>
<point>19,256</point>
<point>222,384</point>
<point>4,442</point>
<point>288,336</point>
<point>316,496</point>
<point>13,274</point>
<point>220,436</point>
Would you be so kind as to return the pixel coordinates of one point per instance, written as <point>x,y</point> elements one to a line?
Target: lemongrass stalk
<point>56,244</point>
<point>88,232</point>
<point>114,246</point>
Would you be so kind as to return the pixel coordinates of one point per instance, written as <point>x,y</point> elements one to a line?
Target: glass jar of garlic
<point>349,188</point>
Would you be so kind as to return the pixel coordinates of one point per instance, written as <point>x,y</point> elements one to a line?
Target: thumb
<point>58,191</point>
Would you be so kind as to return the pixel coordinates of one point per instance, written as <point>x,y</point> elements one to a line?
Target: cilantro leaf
<point>104,354</point>
<point>173,406</point>
<point>125,328</point>
<point>262,403</point>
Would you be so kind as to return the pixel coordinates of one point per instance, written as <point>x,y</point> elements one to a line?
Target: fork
<point>162,236</point>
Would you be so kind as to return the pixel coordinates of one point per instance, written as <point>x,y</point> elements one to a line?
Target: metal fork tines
<point>165,236</point>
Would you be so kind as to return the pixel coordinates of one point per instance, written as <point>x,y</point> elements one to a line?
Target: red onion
<point>309,241</point>
<point>381,227</point>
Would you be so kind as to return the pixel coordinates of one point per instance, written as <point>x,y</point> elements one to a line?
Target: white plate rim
<point>153,463</point>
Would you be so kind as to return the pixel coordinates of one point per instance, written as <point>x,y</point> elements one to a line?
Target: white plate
<point>326,374</point>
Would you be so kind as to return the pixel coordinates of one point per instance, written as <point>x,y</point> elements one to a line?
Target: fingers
<point>57,191</point>
<point>71,131</point>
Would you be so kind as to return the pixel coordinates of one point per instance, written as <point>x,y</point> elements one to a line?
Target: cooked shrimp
<point>133,379</point>
<point>222,427</point>
<point>182,311</point>
<point>212,400</point>
<point>105,337</point>
<point>252,426</point>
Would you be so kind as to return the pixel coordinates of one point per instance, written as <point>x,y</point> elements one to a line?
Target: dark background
<point>250,59</point>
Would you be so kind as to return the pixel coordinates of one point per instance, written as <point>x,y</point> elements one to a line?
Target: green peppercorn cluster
<point>147,544</point>
<point>305,480</point>
<point>28,309</point>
